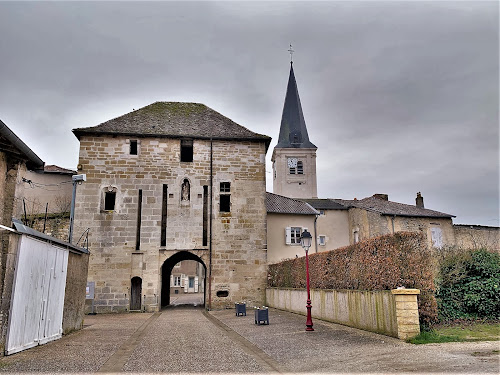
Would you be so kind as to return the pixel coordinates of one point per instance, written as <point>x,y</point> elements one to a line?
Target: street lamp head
<point>79,178</point>
<point>305,240</point>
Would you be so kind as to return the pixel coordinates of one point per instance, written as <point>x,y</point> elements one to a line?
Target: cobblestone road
<point>189,340</point>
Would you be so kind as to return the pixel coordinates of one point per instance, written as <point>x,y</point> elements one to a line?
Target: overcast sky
<point>399,97</point>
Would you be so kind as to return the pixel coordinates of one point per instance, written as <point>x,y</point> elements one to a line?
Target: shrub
<point>468,285</point>
<point>381,263</point>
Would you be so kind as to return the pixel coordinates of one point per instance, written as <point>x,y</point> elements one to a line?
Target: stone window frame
<point>104,191</point>
<point>128,143</point>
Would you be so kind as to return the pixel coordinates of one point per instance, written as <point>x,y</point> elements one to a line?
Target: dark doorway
<point>135,293</point>
<point>180,285</point>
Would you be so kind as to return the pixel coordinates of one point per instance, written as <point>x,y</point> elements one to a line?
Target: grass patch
<point>459,333</point>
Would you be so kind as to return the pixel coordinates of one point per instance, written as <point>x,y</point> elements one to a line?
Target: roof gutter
<point>34,161</point>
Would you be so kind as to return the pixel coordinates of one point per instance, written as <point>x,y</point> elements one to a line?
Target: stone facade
<point>477,237</point>
<point>296,185</point>
<point>366,224</point>
<point>126,242</point>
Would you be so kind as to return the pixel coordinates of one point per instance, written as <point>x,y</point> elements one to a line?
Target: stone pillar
<point>406,312</point>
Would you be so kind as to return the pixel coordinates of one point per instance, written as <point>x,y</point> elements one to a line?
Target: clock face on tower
<point>292,162</point>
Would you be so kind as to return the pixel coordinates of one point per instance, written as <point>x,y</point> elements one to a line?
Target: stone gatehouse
<point>166,183</point>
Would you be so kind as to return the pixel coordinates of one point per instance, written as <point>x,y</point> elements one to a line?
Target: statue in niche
<point>185,190</point>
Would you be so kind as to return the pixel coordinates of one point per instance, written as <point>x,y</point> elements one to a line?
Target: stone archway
<point>166,272</point>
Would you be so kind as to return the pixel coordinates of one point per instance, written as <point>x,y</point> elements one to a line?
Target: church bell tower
<point>294,157</point>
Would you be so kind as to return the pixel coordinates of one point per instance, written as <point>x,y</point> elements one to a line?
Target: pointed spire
<point>293,131</point>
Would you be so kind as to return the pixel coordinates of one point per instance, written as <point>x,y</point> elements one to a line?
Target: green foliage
<point>468,285</point>
<point>428,337</point>
<point>381,263</point>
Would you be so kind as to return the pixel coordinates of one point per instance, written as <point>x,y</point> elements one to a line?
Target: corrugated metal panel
<point>38,295</point>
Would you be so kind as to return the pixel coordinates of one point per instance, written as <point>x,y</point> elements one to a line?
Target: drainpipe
<point>315,234</point>
<point>210,242</point>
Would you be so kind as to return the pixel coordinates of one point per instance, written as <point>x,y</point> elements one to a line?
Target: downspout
<point>210,242</point>
<point>315,234</point>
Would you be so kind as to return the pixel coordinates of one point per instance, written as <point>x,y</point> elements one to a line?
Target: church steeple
<point>294,157</point>
<point>293,130</point>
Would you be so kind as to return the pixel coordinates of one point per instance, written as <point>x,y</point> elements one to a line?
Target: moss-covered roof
<point>175,120</point>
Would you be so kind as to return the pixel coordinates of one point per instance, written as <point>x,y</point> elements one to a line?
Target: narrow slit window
<point>109,200</point>
<point>186,150</point>
<point>139,221</point>
<point>163,239</point>
<point>133,147</point>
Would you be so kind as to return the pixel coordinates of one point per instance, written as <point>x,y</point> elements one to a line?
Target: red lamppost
<point>305,241</point>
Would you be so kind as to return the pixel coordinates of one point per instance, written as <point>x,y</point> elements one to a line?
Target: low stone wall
<point>389,312</point>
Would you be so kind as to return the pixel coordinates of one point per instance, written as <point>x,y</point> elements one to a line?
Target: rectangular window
<point>225,197</point>
<point>322,240</point>
<point>133,147</point>
<point>109,200</point>
<point>292,235</point>
<point>177,281</point>
<point>292,170</point>
<point>295,235</point>
<point>300,167</point>
<point>186,150</point>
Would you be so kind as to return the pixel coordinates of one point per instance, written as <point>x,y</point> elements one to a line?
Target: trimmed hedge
<point>380,263</point>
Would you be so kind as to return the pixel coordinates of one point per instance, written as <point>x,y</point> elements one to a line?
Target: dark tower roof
<point>293,131</point>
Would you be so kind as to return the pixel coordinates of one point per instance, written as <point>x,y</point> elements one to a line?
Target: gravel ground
<point>187,340</point>
<point>84,351</point>
<point>333,348</point>
<point>184,340</point>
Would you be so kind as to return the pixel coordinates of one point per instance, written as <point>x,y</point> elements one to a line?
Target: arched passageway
<point>184,279</point>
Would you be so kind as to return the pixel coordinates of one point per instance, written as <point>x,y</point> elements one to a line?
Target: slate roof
<point>325,204</point>
<point>392,208</point>
<point>175,120</point>
<point>293,125</point>
<point>279,204</point>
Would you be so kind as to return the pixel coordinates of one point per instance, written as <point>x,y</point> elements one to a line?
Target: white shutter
<point>183,277</point>
<point>288,235</point>
<point>172,281</point>
<point>196,284</point>
<point>437,237</point>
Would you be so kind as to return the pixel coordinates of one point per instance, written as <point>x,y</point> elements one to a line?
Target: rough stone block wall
<point>239,237</point>
<point>477,237</point>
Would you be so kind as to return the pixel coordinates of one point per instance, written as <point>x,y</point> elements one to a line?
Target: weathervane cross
<point>291,53</point>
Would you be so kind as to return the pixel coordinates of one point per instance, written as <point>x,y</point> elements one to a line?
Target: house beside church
<point>166,183</point>
<point>337,222</point>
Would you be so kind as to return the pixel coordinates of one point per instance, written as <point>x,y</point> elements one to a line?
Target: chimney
<point>383,197</point>
<point>419,201</point>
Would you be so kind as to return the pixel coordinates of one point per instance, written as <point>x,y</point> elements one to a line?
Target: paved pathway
<point>189,340</point>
